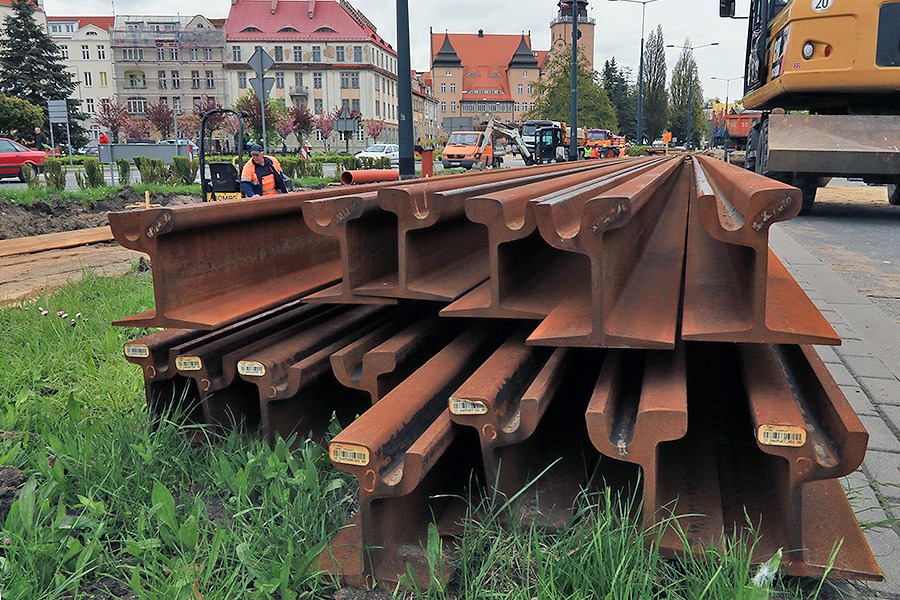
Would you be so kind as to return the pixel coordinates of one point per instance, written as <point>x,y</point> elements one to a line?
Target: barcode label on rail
<point>251,368</point>
<point>781,435</point>
<point>188,363</point>
<point>467,407</point>
<point>348,454</point>
<point>137,351</point>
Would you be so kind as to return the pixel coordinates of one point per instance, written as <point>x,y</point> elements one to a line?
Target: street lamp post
<point>573,109</point>
<point>690,113</point>
<point>727,81</point>
<point>640,108</point>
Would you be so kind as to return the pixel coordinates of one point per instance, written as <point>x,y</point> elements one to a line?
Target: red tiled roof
<point>104,23</point>
<point>542,58</point>
<point>10,2</point>
<point>270,17</point>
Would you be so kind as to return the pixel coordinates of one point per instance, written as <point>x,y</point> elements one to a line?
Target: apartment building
<point>426,124</point>
<point>327,54</point>
<point>176,60</point>
<point>84,44</point>
<point>39,15</point>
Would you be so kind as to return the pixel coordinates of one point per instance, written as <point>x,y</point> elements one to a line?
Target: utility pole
<point>573,136</point>
<point>690,113</point>
<point>404,93</point>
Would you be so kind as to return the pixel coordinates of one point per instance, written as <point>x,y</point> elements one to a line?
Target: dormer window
<point>325,30</point>
<point>250,30</point>
<point>288,30</point>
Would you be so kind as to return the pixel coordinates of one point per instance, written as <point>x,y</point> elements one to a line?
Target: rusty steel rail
<point>216,263</point>
<point>403,451</point>
<point>381,360</point>
<point>525,272</point>
<point>296,390</point>
<point>526,404</point>
<point>633,235</point>
<point>736,289</point>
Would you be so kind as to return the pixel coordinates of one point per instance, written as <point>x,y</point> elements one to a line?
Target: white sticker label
<point>188,363</point>
<point>821,6</point>
<point>467,407</point>
<point>251,368</point>
<point>781,435</point>
<point>137,351</point>
<point>348,454</point>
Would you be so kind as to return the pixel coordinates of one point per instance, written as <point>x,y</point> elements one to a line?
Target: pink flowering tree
<point>136,129</point>
<point>374,129</point>
<point>324,125</point>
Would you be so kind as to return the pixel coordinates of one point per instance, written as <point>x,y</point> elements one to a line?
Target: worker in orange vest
<point>262,174</point>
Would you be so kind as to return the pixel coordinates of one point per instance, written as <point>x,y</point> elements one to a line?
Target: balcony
<point>581,21</point>
<point>298,90</point>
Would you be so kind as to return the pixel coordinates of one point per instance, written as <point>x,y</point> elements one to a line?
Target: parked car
<point>391,151</point>
<point>13,155</point>
<point>195,150</point>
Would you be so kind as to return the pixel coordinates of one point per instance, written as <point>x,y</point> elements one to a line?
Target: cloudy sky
<point>618,29</point>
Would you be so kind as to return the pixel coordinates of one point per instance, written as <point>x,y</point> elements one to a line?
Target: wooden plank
<point>55,241</point>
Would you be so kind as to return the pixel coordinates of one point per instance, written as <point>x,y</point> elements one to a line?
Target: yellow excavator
<point>826,76</point>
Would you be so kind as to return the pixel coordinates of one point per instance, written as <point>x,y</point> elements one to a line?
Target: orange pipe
<point>369,176</point>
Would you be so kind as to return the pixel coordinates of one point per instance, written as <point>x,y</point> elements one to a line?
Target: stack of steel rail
<point>620,323</point>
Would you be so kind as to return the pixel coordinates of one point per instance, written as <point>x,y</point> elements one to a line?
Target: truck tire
<point>893,190</point>
<point>808,184</point>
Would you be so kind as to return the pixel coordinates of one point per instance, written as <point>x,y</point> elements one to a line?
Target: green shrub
<point>349,163</point>
<point>93,173</point>
<point>195,168</point>
<point>309,169</point>
<point>289,166</point>
<point>153,170</point>
<point>31,177</point>
<point>182,170</point>
<point>124,167</point>
<point>137,162</point>
<point>79,179</point>
<point>636,151</point>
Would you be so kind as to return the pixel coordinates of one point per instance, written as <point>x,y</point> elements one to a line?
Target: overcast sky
<point>618,29</point>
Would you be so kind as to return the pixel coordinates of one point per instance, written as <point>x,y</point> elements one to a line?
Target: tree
<point>622,95</point>
<point>553,93</point>
<point>656,98</point>
<point>162,117</point>
<point>31,67</point>
<point>136,129</point>
<point>215,122</point>
<point>324,125</point>
<point>111,117</point>
<point>684,73</point>
<point>374,129</point>
<point>19,115</point>
<point>302,121</point>
<point>189,126</point>
<point>284,126</point>
<point>253,122</point>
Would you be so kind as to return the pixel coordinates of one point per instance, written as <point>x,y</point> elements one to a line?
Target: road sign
<point>667,136</point>
<point>260,62</point>
<point>344,123</point>
<point>263,86</point>
<point>58,111</point>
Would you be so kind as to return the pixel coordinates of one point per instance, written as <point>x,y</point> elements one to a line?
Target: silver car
<point>391,151</point>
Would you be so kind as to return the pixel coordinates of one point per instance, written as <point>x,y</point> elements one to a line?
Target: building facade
<point>84,44</point>
<point>327,55</point>
<point>175,60</point>
<point>561,29</point>
<point>426,123</point>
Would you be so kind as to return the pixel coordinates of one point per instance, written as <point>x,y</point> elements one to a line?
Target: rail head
<point>328,216</point>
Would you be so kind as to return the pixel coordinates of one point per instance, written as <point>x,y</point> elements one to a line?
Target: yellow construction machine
<point>826,74</point>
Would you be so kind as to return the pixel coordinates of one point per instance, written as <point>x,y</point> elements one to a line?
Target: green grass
<point>110,499</point>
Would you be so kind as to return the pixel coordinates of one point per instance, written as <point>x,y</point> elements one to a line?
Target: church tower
<point>561,29</point>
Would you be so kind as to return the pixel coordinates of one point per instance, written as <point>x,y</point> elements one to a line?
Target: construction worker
<point>262,174</point>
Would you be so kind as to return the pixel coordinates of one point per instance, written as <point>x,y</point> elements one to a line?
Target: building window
<point>345,79</point>
<point>176,80</point>
<point>195,80</point>
<point>133,54</point>
<point>317,53</point>
<point>360,134</point>
<point>319,137</point>
<point>452,88</point>
<point>136,106</point>
<point>197,102</point>
<point>160,53</point>
<point>453,107</point>
<point>354,104</point>
<point>525,74</point>
<point>377,108</point>
<point>279,80</point>
<point>64,52</point>
<point>85,52</point>
<point>135,80</point>
<point>516,105</point>
<point>530,87</point>
<point>195,53</point>
<point>339,53</point>
<point>317,80</point>
<point>345,103</point>
<point>298,79</point>
<point>279,53</point>
<point>242,80</point>
<point>163,100</point>
<point>443,107</point>
<point>176,105</point>
<point>173,52</point>
<point>161,80</point>
<point>95,132</point>
<point>298,53</point>
<point>101,52</point>
<point>521,88</point>
<point>357,54</point>
<point>210,80</point>
<point>317,105</point>
<point>354,80</point>
<point>207,53</point>
<point>443,88</point>
<point>447,74</point>
<point>236,53</point>
<point>103,79</point>
<point>89,106</point>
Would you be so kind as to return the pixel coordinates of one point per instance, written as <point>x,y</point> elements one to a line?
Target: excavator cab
<point>548,140</point>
